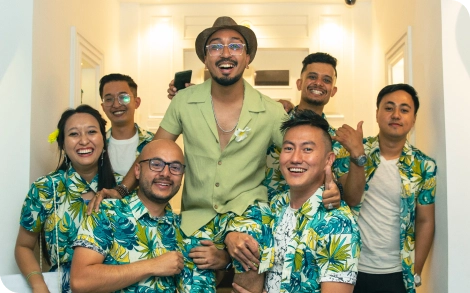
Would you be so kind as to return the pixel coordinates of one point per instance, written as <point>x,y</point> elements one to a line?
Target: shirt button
<point>217,184</point>
<point>216,206</point>
<point>219,162</point>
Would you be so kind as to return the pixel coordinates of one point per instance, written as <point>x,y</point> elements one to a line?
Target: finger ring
<point>330,206</point>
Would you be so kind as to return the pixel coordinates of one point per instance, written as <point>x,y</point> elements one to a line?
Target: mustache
<point>165,180</point>
<point>226,60</point>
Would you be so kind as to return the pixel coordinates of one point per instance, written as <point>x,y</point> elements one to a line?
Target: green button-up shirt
<point>221,181</point>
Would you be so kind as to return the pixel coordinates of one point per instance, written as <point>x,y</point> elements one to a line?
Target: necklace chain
<point>217,122</point>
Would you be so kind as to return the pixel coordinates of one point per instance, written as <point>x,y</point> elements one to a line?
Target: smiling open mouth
<point>296,170</point>
<point>85,151</point>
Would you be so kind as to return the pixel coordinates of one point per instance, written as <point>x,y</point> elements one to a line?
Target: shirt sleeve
<point>172,120</point>
<point>95,232</point>
<point>278,136</point>
<point>334,251</point>
<point>36,204</point>
<point>428,191</point>
<point>341,164</point>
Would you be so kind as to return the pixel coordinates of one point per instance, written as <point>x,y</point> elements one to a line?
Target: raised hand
<point>172,90</point>
<point>351,139</point>
<point>331,195</point>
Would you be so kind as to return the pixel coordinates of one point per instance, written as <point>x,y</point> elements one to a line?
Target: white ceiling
<point>234,1</point>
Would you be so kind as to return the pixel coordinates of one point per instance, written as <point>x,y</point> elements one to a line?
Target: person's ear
<point>137,170</point>
<point>137,102</point>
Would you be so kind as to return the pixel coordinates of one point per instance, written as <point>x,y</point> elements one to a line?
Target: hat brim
<point>247,33</point>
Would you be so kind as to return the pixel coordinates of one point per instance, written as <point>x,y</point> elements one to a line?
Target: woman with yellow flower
<point>57,203</point>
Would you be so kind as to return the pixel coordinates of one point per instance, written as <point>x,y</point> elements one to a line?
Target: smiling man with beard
<point>130,245</point>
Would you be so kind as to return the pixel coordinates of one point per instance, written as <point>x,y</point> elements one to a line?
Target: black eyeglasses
<point>158,166</point>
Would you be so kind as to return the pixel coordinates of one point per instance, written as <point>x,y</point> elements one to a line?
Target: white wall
<point>16,30</point>
<point>390,22</point>
<point>456,74</point>
<point>167,34</point>
<point>34,80</point>
<point>98,23</point>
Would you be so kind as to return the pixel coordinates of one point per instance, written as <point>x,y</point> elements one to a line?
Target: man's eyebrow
<point>220,40</point>
<point>394,104</point>
<point>121,92</point>
<point>158,158</point>
<point>316,73</point>
<point>308,142</point>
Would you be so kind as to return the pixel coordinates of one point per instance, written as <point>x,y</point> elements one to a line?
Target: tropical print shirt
<point>57,198</point>
<point>418,178</point>
<point>275,182</point>
<point>124,232</point>
<point>324,247</point>
<point>144,138</point>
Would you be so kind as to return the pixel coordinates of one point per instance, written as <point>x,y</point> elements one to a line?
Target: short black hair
<point>310,118</point>
<point>399,87</point>
<point>118,77</point>
<point>319,57</point>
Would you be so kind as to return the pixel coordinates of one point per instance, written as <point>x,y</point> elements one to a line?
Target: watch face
<point>362,160</point>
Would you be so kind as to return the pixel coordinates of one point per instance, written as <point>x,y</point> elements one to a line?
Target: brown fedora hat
<point>225,22</point>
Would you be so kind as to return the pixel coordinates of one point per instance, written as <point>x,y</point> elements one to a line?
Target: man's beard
<point>312,102</point>
<point>150,195</point>
<point>226,81</point>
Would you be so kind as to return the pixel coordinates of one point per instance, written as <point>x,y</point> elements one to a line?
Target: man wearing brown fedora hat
<point>227,126</point>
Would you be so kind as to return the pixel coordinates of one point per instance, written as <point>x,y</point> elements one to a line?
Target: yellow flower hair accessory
<point>53,136</point>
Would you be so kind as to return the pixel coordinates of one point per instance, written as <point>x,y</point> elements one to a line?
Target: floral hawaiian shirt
<point>418,177</point>
<point>274,180</point>
<point>65,189</point>
<point>124,232</point>
<point>324,246</point>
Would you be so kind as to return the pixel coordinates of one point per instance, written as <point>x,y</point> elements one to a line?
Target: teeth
<point>316,92</point>
<point>226,66</point>
<point>164,184</point>
<point>84,151</point>
<point>296,170</point>
<point>118,112</point>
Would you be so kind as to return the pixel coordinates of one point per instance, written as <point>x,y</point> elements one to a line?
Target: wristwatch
<point>417,280</point>
<point>359,161</point>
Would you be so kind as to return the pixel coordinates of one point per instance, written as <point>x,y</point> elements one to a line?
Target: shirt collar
<point>139,210</point>
<point>253,99</point>
<point>310,207</point>
<point>374,147</point>
<point>77,180</point>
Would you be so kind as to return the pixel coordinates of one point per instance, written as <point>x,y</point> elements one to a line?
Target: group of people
<point>272,193</point>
